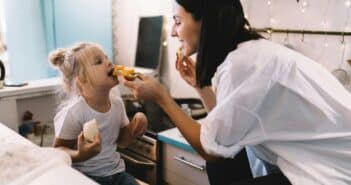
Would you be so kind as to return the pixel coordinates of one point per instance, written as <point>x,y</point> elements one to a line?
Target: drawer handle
<point>135,161</point>
<point>184,161</point>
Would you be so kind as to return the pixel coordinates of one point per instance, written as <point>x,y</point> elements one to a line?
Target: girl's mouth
<point>110,73</point>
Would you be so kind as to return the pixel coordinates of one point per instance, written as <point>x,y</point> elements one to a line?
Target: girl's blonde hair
<point>72,62</point>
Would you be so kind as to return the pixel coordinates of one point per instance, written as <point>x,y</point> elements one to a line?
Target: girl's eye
<point>98,61</point>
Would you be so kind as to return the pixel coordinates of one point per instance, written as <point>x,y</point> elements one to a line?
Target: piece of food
<point>127,72</point>
<point>180,57</point>
<point>90,130</point>
<point>179,53</point>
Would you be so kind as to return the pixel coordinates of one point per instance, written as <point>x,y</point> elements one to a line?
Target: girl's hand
<point>146,88</point>
<point>139,124</point>
<point>186,68</point>
<point>87,149</point>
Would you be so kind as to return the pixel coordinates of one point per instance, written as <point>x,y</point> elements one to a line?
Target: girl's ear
<point>80,81</point>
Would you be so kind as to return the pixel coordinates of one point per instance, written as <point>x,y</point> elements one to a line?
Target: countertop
<point>24,163</point>
<point>48,85</point>
<point>175,138</point>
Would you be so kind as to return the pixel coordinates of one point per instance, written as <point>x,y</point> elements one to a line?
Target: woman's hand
<point>87,149</point>
<point>146,88</point>
<point>186,68</point>
<point>139,124</point>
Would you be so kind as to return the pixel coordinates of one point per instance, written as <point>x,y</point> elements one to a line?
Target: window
<point>3,48</point>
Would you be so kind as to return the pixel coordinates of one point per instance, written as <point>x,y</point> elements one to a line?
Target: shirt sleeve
<point>66,125</point>
<point>228,128</point>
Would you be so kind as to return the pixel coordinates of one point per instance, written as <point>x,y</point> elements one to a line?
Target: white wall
<point>285,14</point>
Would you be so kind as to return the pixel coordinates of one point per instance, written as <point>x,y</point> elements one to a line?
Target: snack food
<point>180,57</point>
<point>90,130</point>
<point>179,52</point>
<point>127,72</point>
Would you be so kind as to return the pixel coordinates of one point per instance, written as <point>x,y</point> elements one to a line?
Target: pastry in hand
<point>180,58</point>
<point>90,130</point>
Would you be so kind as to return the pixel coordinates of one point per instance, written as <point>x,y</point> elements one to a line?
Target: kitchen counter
<point>24,163</point>
<point>48,85</point>
<point>175,138</point>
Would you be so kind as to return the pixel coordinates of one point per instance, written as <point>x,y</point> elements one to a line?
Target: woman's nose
<point>173,31</point>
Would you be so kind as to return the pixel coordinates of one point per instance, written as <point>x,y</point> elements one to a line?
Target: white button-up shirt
<point>288,108</point>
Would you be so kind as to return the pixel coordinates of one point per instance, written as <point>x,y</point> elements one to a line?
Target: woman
<point>290,110</point>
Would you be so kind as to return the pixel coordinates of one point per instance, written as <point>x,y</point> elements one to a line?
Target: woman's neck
<point>97,100</point>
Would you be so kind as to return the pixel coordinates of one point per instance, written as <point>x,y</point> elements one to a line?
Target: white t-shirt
<point>289,109</point>
<point>69,123</point>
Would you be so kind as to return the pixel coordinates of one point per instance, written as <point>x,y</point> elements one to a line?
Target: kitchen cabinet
<point>38,97</point>
<point>181,164</point>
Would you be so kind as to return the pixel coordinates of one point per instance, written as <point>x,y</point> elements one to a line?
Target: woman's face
<point>187,29</point>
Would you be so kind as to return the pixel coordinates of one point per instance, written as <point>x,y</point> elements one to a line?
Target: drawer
<point>183,167</point>
<point>171,178</point>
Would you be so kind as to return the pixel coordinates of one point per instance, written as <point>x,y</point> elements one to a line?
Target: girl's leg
<point>124,178</point>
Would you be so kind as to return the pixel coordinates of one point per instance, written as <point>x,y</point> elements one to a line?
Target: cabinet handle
<point>184,161</point>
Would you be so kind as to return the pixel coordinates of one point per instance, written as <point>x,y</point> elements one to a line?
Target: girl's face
<point>99,70</point>
<point>187,29</point>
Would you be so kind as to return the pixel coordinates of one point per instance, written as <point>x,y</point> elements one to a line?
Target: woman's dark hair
<point>223,27</point>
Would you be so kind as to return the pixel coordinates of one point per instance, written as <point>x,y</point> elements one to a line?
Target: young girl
<point>87,79</point>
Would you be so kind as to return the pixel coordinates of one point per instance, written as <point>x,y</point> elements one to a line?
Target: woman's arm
<point>208,97</point>
<point>79,150</point>
<point>150,89</point>
<point>135,128</point>
<point>186,69</point>
<point>189,128</point>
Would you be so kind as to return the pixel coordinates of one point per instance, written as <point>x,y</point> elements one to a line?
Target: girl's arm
<point>79,149</point>
<point>135,128</point>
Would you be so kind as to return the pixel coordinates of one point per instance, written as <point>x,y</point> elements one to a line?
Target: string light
<point>271,19</point>
<point>325,24</point>
<point>347,3</point>
<point>246,9</point>
<point>304,6</point>
<point>326,44</point>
